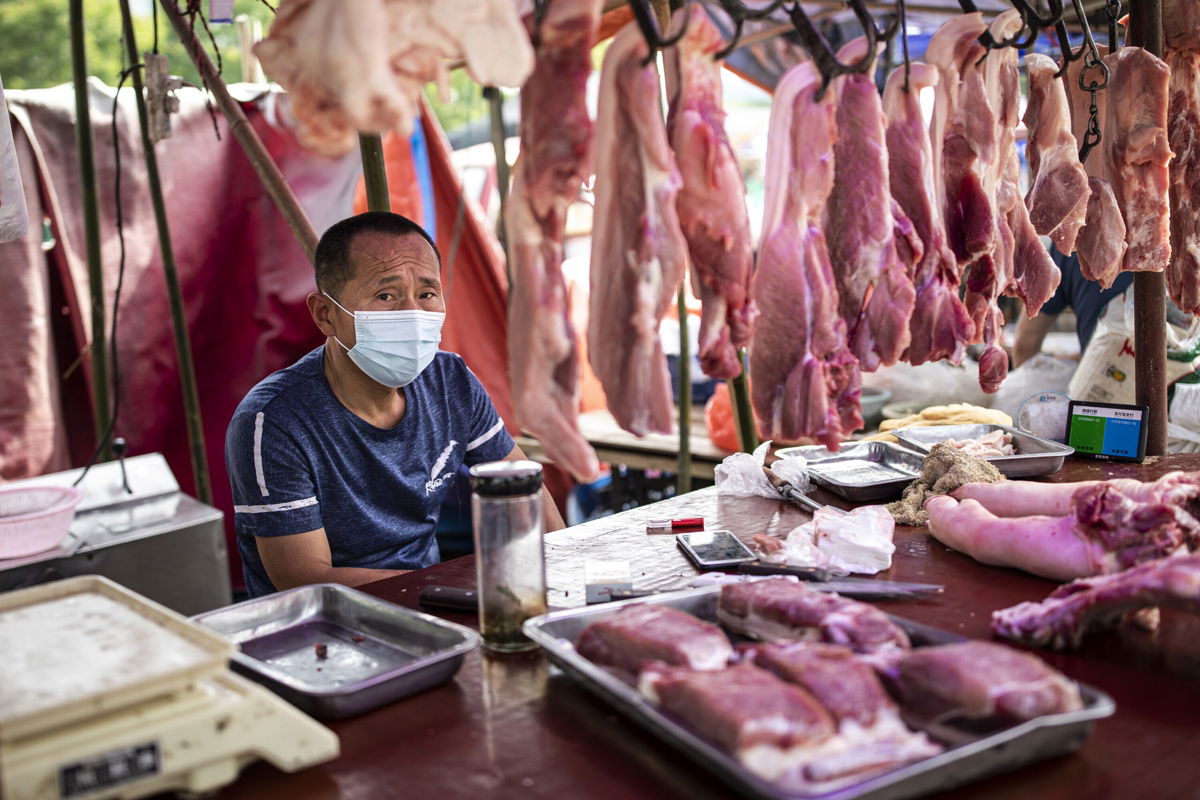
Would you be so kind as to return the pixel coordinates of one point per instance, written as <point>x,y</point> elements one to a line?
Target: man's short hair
<point>332,259</point>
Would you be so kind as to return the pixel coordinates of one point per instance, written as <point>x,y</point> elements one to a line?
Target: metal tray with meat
<point>681,689</point>
<point>1031,456</point>
<point>862,472</point>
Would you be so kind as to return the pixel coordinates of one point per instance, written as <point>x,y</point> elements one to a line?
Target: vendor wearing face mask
<point>340,462</point>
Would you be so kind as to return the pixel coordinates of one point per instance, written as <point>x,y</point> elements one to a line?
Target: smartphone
<point>713,549</point>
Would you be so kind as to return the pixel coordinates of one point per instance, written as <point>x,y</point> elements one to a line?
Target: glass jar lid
<point>506,478</point>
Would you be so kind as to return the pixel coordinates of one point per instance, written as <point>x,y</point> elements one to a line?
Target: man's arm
<point>1030,335</point>
<point>304,558</point>
<point>550,515</point>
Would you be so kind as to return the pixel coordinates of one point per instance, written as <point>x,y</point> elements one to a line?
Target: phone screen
<point>714,547</point>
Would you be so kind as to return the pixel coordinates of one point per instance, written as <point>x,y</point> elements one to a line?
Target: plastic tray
<point>84,646</point>
<point>1034,455</point>
<point>861,472</point>
<point>376,652</point>
<point>976,757</point>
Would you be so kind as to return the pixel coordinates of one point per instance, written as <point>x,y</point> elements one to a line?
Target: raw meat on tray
<point>784,609</point>
<point>976,680</point>
<point>1074,609</point>
<point>642,633</point>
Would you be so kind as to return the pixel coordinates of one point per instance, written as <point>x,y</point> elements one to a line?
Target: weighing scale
<point>105,694</point>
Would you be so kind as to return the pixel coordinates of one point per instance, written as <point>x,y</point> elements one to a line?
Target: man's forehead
<point>374,252</point>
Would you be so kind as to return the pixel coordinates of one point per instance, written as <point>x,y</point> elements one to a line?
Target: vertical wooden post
<point>743,413</point>
<point>370,146</point>
<point>1149,288</point>
<point>101,409</point>
<point>495,102</point>
<point>183,344</point>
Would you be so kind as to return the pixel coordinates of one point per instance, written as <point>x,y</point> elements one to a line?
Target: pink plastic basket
<point>35,518</point>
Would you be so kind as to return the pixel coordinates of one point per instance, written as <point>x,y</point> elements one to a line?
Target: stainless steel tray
<point>861,472</point>
<point>976,757</point>
<point>1035,456</point>
<point>376,652</point>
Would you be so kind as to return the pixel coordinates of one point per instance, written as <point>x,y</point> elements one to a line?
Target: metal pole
<point>1149,288</point>
<point>370,146</point>
<point>273,181</point>
<point>496,108</point>
<point>101,408</point>
<point>183,344</point>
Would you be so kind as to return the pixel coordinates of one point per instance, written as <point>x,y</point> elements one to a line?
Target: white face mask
<point>393,347</point>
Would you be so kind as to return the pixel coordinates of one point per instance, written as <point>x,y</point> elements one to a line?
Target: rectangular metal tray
<point>1035,456</point>
<point>376,652</point>
<point>975,758</point>
<point>862,472</point>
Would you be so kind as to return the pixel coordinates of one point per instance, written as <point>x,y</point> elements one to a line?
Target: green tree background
<point>35,49</point>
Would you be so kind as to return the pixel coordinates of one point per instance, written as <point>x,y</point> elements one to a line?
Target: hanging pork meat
<point>360,65</point>
<point>555,160</point>
<point>875,292</point>
<point>940,327</point>
<point>806,380</point>
<point>1183,276</point>
<point>1136,152</point>
<point>712,202</point>
<point>638,249</point>
<point>1058,197</point>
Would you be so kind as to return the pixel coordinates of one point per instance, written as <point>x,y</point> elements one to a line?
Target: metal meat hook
<point>740,14</point>
<point>649,26</point>
<point>822,54</point>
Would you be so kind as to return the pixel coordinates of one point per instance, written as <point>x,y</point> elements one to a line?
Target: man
<point>340,462</point>
<point>1076,292</point>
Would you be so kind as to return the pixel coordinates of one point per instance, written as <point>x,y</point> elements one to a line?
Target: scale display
<point>1107,430</point>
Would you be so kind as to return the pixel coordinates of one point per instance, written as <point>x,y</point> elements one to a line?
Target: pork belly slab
<point>1075,609</point>
<point>641,633</point>
<point>770,726</point>
<point>784,609</point>
<point>978,680</point>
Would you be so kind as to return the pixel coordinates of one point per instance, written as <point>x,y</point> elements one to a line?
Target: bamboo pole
<point>496,109</point>
<point>370,146</point>
<point>183,344</point>
<point>101,408</point>
<point>277,188</point>
<point>1149,288</point>
<point>743,414</point>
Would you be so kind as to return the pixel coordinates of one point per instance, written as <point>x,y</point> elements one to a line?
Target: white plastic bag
<point>930,384</point>
<point>741,474</point>
<point>859,542</point>
<point>1042,373</point>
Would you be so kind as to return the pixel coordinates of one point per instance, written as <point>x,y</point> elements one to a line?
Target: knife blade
<point>825,580</point>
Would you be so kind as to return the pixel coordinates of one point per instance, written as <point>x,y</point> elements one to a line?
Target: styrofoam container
<point>35,518</point>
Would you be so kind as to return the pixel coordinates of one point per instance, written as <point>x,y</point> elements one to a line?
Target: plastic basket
<point>35,518</point>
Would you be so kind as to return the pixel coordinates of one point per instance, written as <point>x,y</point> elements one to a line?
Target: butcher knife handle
<point>449,598</point>
<point>803,573</point>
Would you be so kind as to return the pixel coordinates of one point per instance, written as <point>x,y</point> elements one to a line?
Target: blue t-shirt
<point>299,460</point>
<point>1082,296</point>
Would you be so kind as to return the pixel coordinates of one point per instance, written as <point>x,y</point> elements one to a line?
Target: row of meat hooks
<point>1093,77</point>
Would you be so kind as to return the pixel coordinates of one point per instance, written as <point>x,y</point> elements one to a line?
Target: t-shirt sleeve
<point>274,491</point>
<point>487,440</point>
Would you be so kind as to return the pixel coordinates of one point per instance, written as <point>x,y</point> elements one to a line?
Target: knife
<point>789,492</point>
<point>827,581</point>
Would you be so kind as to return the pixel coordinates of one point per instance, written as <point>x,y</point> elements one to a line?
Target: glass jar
<point>510,566</point>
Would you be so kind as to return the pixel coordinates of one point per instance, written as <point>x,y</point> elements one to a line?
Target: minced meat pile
<point>946,469</point>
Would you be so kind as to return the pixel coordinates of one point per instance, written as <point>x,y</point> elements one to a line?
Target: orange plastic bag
<point>718,418</point>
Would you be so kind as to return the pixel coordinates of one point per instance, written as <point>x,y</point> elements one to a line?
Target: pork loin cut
<point>641,633</point>
<point>555,160</point>
<point>784,609</point>
<point>875,292</point>
<point>939,327</point>
<point>712,202</point>
<point>1137,152</point>
<point>806,380</point>
<point>1071,611</point>
<point>977,680</point>
<point>638,249</point>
